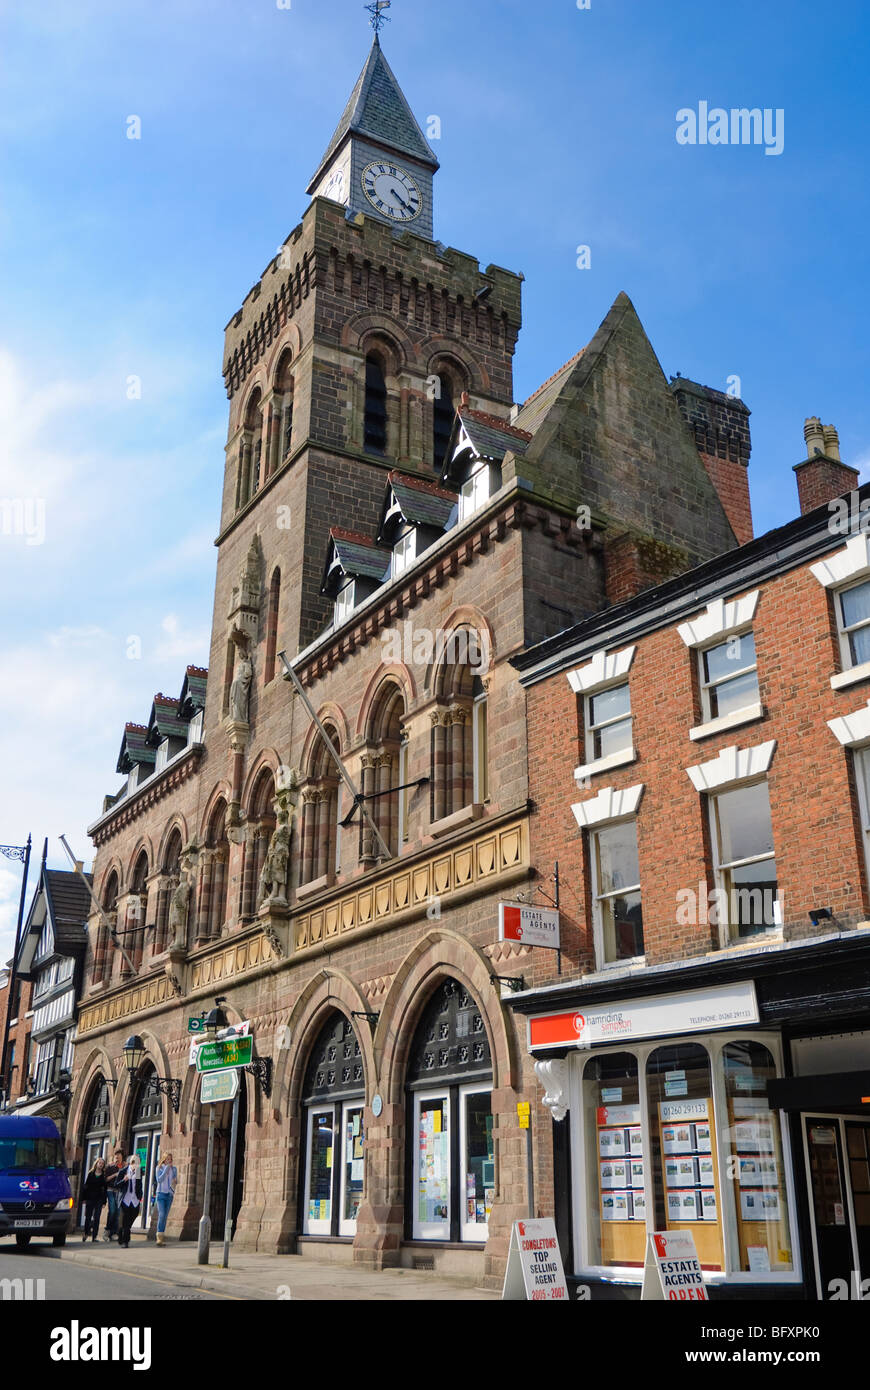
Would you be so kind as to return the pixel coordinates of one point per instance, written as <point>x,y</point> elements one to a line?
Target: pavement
<point>260,1276</point>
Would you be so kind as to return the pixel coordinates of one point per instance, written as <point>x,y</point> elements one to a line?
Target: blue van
<point>35,1196</point>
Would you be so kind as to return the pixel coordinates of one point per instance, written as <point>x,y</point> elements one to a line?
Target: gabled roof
<point>490,437</point>
<point>192,697</point>
<point>164,721</point>
<point>421,503</point>
<point>134,749</point>
<point>539,402</point>
<point>62,901</point>
<point>355,555</point>
<point>377,108</point>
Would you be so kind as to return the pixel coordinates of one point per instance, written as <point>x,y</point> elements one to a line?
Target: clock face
<point>334,187</point>
<point>392,191</point>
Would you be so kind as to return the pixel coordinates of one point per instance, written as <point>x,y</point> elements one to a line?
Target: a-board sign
<point>217,1086</point>
<point>231,1052</point>
<point>533,926</point>
<point>534,1268</point>
<point>672,1270</point>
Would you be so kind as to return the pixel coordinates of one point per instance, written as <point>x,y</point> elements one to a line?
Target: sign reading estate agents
<point>534,1268</point>
<point>722,1006</point>
<point>533,926</point>
<point>672,1270</point>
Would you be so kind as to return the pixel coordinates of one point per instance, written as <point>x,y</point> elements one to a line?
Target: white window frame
<point>345,603</point>
<point>720,869</point>
<point>861,758</point>
<point>404,553</point>
<point>318,1226</point>
<point>714,1043</point>
<point>347,1226</point>
<point>194,728</point>
<point>591,729</point>
<point>844,630</point>
<point>475,1231</point>
<point>430,1230</point>
<point>475,492</point>
<point>598,897</point>
<point>706,686</point>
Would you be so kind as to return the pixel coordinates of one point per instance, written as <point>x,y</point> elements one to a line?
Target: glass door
<point>352,1140</point>
<point>832,1232</point>
<point>318,1170</point>
<point>477,1172</point>
<point>432,1166</point>
<point>146,1143</point>
<point>858,1155</point>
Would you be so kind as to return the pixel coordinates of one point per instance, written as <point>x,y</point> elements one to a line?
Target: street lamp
<point>134,1052</point>
<point>214,1021</point>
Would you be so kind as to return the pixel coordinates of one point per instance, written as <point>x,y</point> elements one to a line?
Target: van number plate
<point>27,1225</point>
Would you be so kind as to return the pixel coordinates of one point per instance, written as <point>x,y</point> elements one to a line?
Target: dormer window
<point>475,491</point>
<point>404,553</point>
<point>345,604</point>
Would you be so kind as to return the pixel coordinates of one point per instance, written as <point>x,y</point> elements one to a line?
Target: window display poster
<point>638,1206</point>
<point>754,1136</point>
<point>611,1143</point>
<point>709,1209</point>
<point>635,1141</point>
<point>760,1205</point>
<point>706,1171</point>
<point>757,1170</point>
<point>680,1172</point>
<point>703,1139</point>
<point>677,1139</point>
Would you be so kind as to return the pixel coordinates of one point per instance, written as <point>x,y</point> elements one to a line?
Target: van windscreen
<point>30,1155</point>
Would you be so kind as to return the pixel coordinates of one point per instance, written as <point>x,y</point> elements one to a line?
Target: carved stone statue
<point>273,878</point>
<point>179,905</point>
<point>249,578</point>
<point>240,689</point>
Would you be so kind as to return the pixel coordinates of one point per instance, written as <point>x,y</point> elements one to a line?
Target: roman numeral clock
<point>392,191</point>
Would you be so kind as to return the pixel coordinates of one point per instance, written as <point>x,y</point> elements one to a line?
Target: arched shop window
<point>682,1137</point>
<point>146,1124</point>
<point>334,1097</point>
<point>451,1157</point>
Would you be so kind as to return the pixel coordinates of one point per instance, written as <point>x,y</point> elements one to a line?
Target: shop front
<point>711,1109</point>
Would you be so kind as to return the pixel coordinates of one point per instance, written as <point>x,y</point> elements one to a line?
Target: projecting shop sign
<point>533,926</point>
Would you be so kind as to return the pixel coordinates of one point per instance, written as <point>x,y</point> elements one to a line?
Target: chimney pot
<point>832,442</point>
<point>814,436</point>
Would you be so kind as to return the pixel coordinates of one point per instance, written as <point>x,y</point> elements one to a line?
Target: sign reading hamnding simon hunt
<point>701,1011</point>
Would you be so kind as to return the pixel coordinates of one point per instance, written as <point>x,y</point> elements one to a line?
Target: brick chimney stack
<point>719,425</point>
<point>822,475</point>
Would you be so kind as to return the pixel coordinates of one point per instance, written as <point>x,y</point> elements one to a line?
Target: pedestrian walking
<point>95,1193</point>
<point>114,1197</point>
<point>167,1180</point>
<point>128,1184</point>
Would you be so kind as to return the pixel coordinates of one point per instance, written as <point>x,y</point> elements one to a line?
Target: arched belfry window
<point>383,773</point>
<point>451,1155</point>
<point>272,627</point>
<point>250,450</point>
<point>102,947</point>
<point>320,856</point>
<point>443,415</point>
<point>459,733</point>
<point>375,428</point>
<point>283,408</point>
<point>333,1099</point>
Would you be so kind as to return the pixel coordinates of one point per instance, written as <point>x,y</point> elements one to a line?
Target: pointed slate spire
<point>377,110</point>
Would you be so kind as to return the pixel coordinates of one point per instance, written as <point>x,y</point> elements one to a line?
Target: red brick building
<point>699,756</point>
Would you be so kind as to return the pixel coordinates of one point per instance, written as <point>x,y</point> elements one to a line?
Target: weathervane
<point>377,14</point>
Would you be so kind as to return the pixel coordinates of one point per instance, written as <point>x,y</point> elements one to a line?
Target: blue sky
<point>125,258</point>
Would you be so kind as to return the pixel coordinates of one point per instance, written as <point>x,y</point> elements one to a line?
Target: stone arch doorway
<point>96,1135</point>
<point>333,1108</point>
<point>450,1153</point>
<point>146,1124</point>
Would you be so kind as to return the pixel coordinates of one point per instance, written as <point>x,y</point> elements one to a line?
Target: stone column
<point>457,779</point>
<point>439,765</point>
<point>368,767</point>
<point>387,805</point>
<point>309,812</point>
<point>165,886</point>
<point>205,891</point>
<point>218,907</point>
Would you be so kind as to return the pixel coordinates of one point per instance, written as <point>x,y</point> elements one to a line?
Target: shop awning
<point>849,1090</point>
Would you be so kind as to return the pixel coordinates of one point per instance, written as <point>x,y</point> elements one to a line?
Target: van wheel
<point>22,1239</point>
<point>59,1240</point>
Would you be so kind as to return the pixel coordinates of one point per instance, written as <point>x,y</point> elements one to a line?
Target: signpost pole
<point>531,1162</point>
<point>231,1178</point>
<point>556,905</point>
<point>205,1219</point>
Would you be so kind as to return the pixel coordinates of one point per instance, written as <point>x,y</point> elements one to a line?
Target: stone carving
<point>553,1076</point>
<point>274,941</point>
<point>273,879</point>
<point>249,578</point>
<point>240,689</point>
<point>179,905</point>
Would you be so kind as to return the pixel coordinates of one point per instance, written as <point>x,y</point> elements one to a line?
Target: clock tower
<point>379,162</point>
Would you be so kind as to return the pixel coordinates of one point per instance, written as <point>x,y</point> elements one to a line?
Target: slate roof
<point>134,749</point>
<point>539,402</point>
<point>421,503</point>
<point>70,906</point>
<point>192,697</point>
<point>358,556</point>
<point>491,437</point>
<point>377,109</point>
<point>165,721</point>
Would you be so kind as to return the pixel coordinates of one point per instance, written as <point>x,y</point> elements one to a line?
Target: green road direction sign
<point>219,1056</point>
<point>219,1085</point>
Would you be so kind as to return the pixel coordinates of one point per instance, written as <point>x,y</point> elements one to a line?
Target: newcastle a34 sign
<point>231,1052</point>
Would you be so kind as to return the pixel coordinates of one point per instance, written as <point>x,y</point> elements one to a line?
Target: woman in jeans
<point>166,1179</point>
<point>128,1185</point>
<point>94,1194</point>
